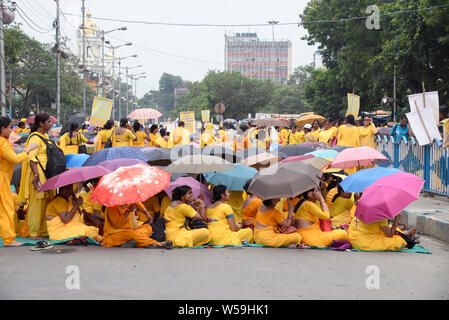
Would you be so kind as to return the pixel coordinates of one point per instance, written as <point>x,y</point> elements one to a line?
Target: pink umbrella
<point>386,197</point>
<point>31,119</point>
<point>72,176</point>
<point>197,188</point>
<point>298,158</point>
<point>143,114</point>
<point>357,157</point>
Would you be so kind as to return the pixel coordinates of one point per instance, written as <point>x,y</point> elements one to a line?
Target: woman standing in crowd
<point>104,134</point>
<point>8,158</point>
<point>33,178</point>
<point>123,136</point>
<point>367,133</point>
<point>70,141</point>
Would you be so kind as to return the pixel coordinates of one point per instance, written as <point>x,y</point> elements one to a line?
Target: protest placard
<point>353,105</point>
<point>427,100</point>
<point>188,118</point>
<point>101,111</point>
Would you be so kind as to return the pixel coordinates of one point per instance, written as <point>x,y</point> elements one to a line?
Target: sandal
<point>41,245</point>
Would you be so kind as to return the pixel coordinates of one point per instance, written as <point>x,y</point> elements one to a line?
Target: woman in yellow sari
<point>103,136</point>
<point>33,178</point>
<point>348,135</point>
<point>307,221</point>
<point>123,136</point>
<point>8,158</point>
<point>367,133</point>
<point>250,208</point>
<point>269,222</point>
<point>208,136</point>
<point>70,141</point>
<point>341,208</point>
<point>176,215</point>
<point>222,226</point>
<point>316,129</point>
<point>21,128</point>
<point>328,132</point>
<point>64,220</point>
<point>142,136</point>
<point>157,141</point>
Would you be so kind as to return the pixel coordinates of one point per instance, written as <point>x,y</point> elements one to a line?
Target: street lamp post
<point>135,89</point>
<point>120,82</point>
<point>103,33</point>
<point>273,22</point>
<point>127,89</point>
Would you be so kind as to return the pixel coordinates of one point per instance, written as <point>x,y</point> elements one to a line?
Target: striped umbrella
<point>143,114</point>
<point>115,153</point>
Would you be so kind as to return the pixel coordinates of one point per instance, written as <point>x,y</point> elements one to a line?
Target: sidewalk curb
<point>427,223</point>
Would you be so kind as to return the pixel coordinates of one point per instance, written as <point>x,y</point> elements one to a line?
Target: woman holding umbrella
<point>222,226</point>
<point>8,159</point>
<point>178,212</point>
<point>307,221</point>
<point>269,224</point>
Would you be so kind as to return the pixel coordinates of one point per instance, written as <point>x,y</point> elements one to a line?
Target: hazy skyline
<point>185,51</point>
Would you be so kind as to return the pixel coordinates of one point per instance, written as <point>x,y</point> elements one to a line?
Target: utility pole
<point>119,87</point>
<point>2,66</point>
<point>83,9</point>
<point>272,22</point>
<point>58,85</point>
<point>102,63</point>
<point>10,93</point>
<point>394,94</point>
<point>127,91</point>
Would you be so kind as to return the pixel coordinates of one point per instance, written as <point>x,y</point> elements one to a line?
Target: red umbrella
<point>128,185</point>
<point>74,175</point>
<point>31,119</point>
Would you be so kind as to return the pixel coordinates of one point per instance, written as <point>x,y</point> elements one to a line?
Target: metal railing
<point>429,162</point>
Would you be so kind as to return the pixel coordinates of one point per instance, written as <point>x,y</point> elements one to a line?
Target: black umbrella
<point>221,151</point>
<point>295,150</point>
<point>159,157</point>
<point>184,150</point>
<point>339,148</point>
<point>17,174</point>
<point>76,118</point>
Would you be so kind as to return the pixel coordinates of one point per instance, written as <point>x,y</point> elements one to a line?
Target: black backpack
<point>158,226</point>
<point>56,163</point>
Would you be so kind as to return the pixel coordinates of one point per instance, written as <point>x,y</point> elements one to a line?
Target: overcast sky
<point>180,50</point>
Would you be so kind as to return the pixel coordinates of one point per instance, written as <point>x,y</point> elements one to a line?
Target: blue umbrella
<point>325,153</point>
<point>115,153</point>
<point>75,160</point>
<point>359,181</point>
<point>233,179</point>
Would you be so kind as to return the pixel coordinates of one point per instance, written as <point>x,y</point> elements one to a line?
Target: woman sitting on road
<point>178,212</point>
<point>222,226</point>
<point>307,221</point>
<point>64,217</point>
<point>341,209</point>
<point>270,222</point>
<point>250,208</point>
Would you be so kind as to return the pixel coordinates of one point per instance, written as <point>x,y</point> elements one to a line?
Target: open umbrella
<point>261,160</point>
<point>385,198</point>
<point>113,165</point>
<point>72,176</point>
<point>340,148</point>
<point>283,182</point>
<point>76,160</point>
<point>245,153</point>
<point>159,156</point>
<point>199,164</point>
<point>31,119</point>
<point>297,158</point>
<point>357,157</point>
<point>221,151</point>
<point>115,153</point>
<point>324,153</point>
<point>144,114</point>
<point>197,188</point>
<point>295,150</point>
<point>308,118</point>
<point>184,150</point>
<point>233,179</point>
<point>268,122</point>
<point>128,185</point>
<point>318,163</point>
<point>362,179</point>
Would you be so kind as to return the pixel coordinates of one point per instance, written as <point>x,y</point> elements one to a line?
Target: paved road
<point>227,273</point>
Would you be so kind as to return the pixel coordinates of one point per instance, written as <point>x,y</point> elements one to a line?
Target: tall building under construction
<point>258,59</point>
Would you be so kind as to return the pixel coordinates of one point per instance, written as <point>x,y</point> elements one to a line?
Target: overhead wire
<point>20,12</point>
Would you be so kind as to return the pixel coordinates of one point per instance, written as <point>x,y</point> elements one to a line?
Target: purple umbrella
<point>113,165</point>
<point>197,188</point>
<point>74,175</point>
